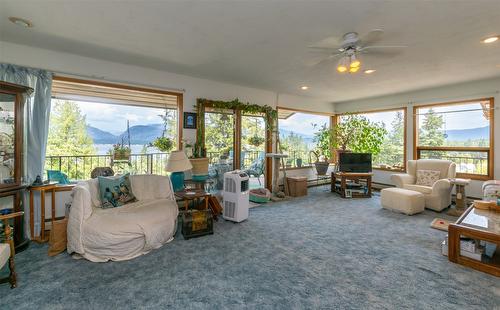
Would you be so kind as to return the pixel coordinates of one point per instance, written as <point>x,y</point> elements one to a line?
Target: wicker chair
<point>7,250</point>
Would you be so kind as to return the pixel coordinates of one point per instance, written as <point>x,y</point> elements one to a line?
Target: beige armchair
<point>437,196</point>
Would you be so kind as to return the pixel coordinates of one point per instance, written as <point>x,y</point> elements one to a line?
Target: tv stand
<point>352,184</point>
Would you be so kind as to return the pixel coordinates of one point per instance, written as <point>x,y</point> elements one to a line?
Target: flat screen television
<point>355,162</point>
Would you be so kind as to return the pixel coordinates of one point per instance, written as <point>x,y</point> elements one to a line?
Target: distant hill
<point>468,134</point>
<point>140,134</point>
<point>308,139</point>
<point>100,136</point>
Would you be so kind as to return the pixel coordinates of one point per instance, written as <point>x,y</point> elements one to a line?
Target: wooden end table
<point>354,178</point>
<point>51,187</point>
<point>193,195</point>
<point>480,225</point>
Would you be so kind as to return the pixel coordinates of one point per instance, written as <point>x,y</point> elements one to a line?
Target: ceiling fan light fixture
<point>343,64</point>
<point>354,63</point>
<point>353,69</point>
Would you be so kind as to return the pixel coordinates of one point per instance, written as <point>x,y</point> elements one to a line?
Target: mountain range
<point>144,134</point>
<point>139,134</point>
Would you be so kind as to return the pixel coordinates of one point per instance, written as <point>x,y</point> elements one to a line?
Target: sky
<point>302,123</point>
<point>460,120</point>
<point>113,118</point>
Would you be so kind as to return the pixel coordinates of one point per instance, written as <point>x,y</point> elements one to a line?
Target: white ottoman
<point>402,200</point>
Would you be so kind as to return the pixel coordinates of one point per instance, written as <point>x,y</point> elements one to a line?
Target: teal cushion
<point>58,176</point>
<point>115,191</point>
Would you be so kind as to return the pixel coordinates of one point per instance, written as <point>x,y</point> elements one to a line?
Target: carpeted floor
<point>316,252</point>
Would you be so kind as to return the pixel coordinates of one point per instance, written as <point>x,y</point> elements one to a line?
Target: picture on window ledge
<point>189,120</point>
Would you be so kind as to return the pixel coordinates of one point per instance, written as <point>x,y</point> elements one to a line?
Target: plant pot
<point>321,167</point>
<point>121,155</point>
<point>298,161</point>
<point>200,166</point>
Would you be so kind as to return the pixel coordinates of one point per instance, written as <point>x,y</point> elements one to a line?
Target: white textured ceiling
<point>264,43</point>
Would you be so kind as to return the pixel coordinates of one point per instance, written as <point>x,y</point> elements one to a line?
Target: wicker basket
<point>200,166</point>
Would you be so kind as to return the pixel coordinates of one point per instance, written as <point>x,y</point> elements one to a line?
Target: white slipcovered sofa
<point>437,196</point>
<point>125,232</point>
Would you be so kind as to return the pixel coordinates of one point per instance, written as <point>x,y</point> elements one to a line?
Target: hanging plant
<point>256,141</point>
<point>164,144</point>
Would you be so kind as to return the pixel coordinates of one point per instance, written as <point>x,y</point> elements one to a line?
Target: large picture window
<point>392,154</point>
<point>88,119</point>
<point>297,135</point>
<point>457,131</point>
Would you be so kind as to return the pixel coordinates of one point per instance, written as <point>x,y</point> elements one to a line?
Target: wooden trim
<point>458,102</point>
<point>305,111</point>
<point>115,85</point>
<point>269,149</point>
<point>179,95</point>
<point>387,169</point>
<point>490,150</point>
<point>405,129</point>
<point>237,140</point>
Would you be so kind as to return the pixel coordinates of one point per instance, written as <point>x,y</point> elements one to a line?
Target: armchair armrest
<point>11,215</point>
<point>442,185</point>
<point>401,179</point>
<point>81,210</point>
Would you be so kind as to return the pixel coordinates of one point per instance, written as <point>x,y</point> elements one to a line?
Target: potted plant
<point>322,138</point>
<point>357,134</point>
<point>256,141</point>
<point>121,152</point>
<point>199,161</point>
<point>298,162</point>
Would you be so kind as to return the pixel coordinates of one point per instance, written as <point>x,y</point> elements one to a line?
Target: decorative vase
<point>321,167</point>
<point>200,167</point>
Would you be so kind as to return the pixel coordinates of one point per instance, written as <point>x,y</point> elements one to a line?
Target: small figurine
<point>38,181</point>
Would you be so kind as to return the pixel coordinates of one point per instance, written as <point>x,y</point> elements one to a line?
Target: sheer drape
<point>37,109</point>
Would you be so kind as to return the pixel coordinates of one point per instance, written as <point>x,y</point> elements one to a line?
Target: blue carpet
<point>314,252</point>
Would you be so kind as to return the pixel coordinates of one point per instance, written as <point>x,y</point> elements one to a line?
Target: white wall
<point>462,91</point>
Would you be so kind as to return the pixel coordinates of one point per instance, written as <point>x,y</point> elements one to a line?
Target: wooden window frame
<point>489,150</point>
<point>332,122</point>
<point>180,97</point>
<point>237,141</point>
<point>405,132</point>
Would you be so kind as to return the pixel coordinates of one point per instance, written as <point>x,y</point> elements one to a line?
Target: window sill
<point>475,177</point>
<point>389,169</point>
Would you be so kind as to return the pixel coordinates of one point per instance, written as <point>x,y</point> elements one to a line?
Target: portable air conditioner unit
<point>236,196</point>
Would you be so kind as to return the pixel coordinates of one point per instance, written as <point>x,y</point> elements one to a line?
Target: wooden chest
<point>197,223</point>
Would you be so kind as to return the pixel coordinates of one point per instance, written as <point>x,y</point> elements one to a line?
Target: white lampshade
<point>177,162</point>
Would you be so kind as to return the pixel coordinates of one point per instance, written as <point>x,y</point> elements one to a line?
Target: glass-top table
<point>481,225</point>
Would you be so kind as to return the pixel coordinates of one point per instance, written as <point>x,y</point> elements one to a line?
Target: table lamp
<point>177,163</point>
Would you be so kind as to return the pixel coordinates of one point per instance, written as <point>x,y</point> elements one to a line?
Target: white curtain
<point>37,112</point>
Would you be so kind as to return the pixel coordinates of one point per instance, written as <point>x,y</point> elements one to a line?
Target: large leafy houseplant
<point>356,133</point>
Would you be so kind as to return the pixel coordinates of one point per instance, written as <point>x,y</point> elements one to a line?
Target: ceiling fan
<point>351,46</point>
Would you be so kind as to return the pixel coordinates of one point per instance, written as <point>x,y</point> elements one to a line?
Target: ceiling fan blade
<point>373,36</point>
<point>378,47</point>
<point>323,48</point>
<point>325,60</point>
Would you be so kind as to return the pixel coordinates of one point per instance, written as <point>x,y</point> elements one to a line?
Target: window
<point>297,136</point>
<point>392,154</point>
<point>88,118</point>
<point>457,131</point>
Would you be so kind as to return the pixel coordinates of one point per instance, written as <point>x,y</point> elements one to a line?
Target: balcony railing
<point>79,167</point>
<point>468,161</point>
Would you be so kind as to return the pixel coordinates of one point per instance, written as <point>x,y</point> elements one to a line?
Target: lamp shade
<point>177,162</point>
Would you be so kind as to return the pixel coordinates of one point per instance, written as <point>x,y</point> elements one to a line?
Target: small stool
<point>402,200</point>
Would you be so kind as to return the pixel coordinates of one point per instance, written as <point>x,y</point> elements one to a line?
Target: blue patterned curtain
<point>37,109</point>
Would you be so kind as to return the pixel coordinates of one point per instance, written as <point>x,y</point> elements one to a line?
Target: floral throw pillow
<point>427,177</point>
<point>115,191</point>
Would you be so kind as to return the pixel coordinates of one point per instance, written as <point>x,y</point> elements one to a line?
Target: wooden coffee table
<point>480,225</point>
<point>194,196</point>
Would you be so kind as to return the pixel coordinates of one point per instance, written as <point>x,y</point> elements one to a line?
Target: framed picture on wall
<point>189,120</point>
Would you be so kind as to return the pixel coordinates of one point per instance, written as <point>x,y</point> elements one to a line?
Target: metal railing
<point>79,167</point>
<point>469,162</point>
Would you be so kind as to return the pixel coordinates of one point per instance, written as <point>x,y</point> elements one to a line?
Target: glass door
<point>219,143</point>
<point>253,149</point>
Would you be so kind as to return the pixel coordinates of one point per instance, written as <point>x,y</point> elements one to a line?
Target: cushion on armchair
<point>427,177</point>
